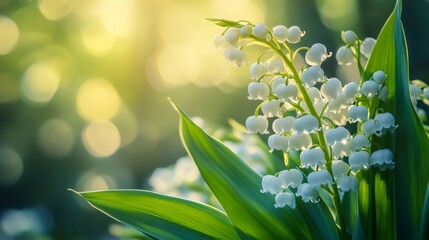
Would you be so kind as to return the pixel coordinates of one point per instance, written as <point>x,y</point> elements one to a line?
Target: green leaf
<point>161,216</point>
<point>424,223</point>
<point>237,186</point>
<point>224,22</point>
<point>391,202</point>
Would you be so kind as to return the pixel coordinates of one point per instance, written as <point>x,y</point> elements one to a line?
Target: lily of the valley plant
<point>355,156</point>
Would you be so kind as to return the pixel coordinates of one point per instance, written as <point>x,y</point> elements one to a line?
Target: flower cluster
<point>419,92</point>
<point>310,113</point>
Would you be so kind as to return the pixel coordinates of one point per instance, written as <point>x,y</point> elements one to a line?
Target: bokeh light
<point>117,16</point>
<point>11,166</point>
<point>55,9</point>
<point>101,139</point>
<point>338,14</point>
<point>9,35</point>
<point>96,39</point>
<point>39,83</point>
<point>97,100</point>
<point>56,137</point>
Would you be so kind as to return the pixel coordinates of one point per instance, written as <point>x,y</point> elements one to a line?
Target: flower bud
<point>285,198</point>
<point>219,41</point>
<point>344,56</point>
<point>260,31</point>
<point>271,184</point>
<point>316,54</point>
<point>312,158</point>
<point>383,94</point>
<point>292,178</point>
<point>307,123</point>
<point>426,92</point>
<point>282,125</point>
<point>278,142</point>
<point>415,91</point>
<point>383,159</point>
<point>232,36</point>
<point>321,177</point>
<point>331,88</point>
<point>312,75</point>
<point>308,193</point>
<point>280,33</point>
<point>294,34</point>
<point>367,46</point>
<point>359,160</point>
<point>369,89</point>
<point>245,31</point>
<point>272,108</point>
<point>257,70</point>
<point>258,91</point>
<point>358,113</point>
<point>379,77</point>
<point>257,124</point>
<point>347,183</point>
<point>300,141</point>
<point>349,37</point>
<point>340,168</point>
<point>287,92</point>
<point>351,90</point>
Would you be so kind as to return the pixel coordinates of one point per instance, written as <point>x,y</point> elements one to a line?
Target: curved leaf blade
<point>237,186</point>
<point>161,216</point>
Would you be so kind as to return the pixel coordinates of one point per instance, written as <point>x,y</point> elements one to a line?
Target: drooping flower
<point>258,91</point>
<point>331,88</point>
<point>271,184</point>
<point>290,178</point>
<point>307,123</point>
<point>294,34</point>
<point>340,168</point>
<point>312,158</point>
<point>280,33</point>
<point>382,159</point>
<point>299,141</point>
<point>344,56</point>
<point>232,35</point>
<point>318,178</point>
<point>370,89</point>
<point>278,142</point>
<point>379,77</point>
<point>349,37</point>
<point>359,160</point>
<point>260,31</point>
<point>285,198</point>
<point>257,124</point>
<point>312,75</point>
<point>257,70</point>
<point>367,46</point>
<point>308,193</point>
<point>358,114</point>
<point>287,92</point>
<point>347,183</point>
<point>272,108</point>
<point>316,54</point>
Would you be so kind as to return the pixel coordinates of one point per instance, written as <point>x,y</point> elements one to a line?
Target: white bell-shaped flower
<point>312,158</point>
<point>349,37</point>
<point>382,159</point>
<point>300,141</point>
<point>422,114</point>
<point>339,116</point>
<point>379,77</point>
<point>245,31</point>
<point>275,66</point>
<point>358,113</point>
<point>280,33</point>
<point>316,54</point>
<point>282,125</point>
<point>275,82</point>
<point>260,31</point>
<point>344,56</point>
<point>426,92</point>
<point>312,75</point>
<point>340,168</point>
<point>287,92</point>
<point>351,90</point>
<point>347,183</point>
<point>278,142</point>
<point>341,150</point>
<point>294,34</point>
<point>415,91</point>
<point>318,105</point>
<point>237,56</point>
<point>383,94</point>
<point>386,122</point>
<point>359,160</point>
<point>258,91</point>
<point>219,41</point>
<point>232,35</point>
<point>272,108</point>
<point>257,124</point>
<point>335,135</point>
<point>370,127</point>
<point>271,184</point>
<point>290,178</point>
<point>331,88</point>
<point>321,177</point>
<point>307,123</point>
<point>369,89</point>
<point>314,94</point>
<point>359,141</point>
<point>285,198</point>
<point>308,193</point>
<point>367,46</point>
<point>257,70</point>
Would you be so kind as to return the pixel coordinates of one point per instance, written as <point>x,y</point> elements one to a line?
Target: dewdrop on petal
<point>359,160</point>
<point>308,193</point>
<point>307,123</point>
<point>382,159</point>
<point>358,113</point>
<point>257,124</point>
<point>359,141</point>
<point>316,54</point>
<point>312,75</point>
<point>340,168</point>
<point>344,56</point>
<point>285,198</point>
<point>257,70</point>
<point>349,37</point>
<point>280,33</point>
<point>287,92</point>
<point>260,31</point>
<point>271,184</point>
<point>300,141</point>
<point>258,91</point>
<point>272,108</point>
<point>317,178</point>
<point>232,36</point>
<point>367,46</point>
<point>347,183</point>
<point>245,31</point>
<point>282,125</point>
<point>291,178</point>
<point>278,142</point>
<point>351,90</point>
<point>369,89</point>
<point>379,77</point>
<point>219,41</point>
<point>312,158</point>
<point>294,34</point>
<point>331,88</point>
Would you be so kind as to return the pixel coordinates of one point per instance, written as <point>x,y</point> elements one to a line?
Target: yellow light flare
<point>97,100</point>
<point>101,139</point>
<point>92,181</point>
<point>55,9</point>
<point>338,14</point>
<point>40,82</point>
<point>117,16</point>
<point>56,137</point>
<point>9,35</point>
<point>97,40</point>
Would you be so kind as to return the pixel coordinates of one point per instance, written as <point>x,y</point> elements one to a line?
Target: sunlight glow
<point>55,9</point>
<point>117,16</point>
<point>40,82</point>
<point>101,139</point>
<point>9,35</point>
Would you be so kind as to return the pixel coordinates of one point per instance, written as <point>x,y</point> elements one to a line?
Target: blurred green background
<point>83,88</point>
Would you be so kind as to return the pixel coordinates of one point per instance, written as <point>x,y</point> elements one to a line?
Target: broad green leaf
<point>237,187</point>
<point>161,216</point>
<point>424,223</point>
<point>391,202</point>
